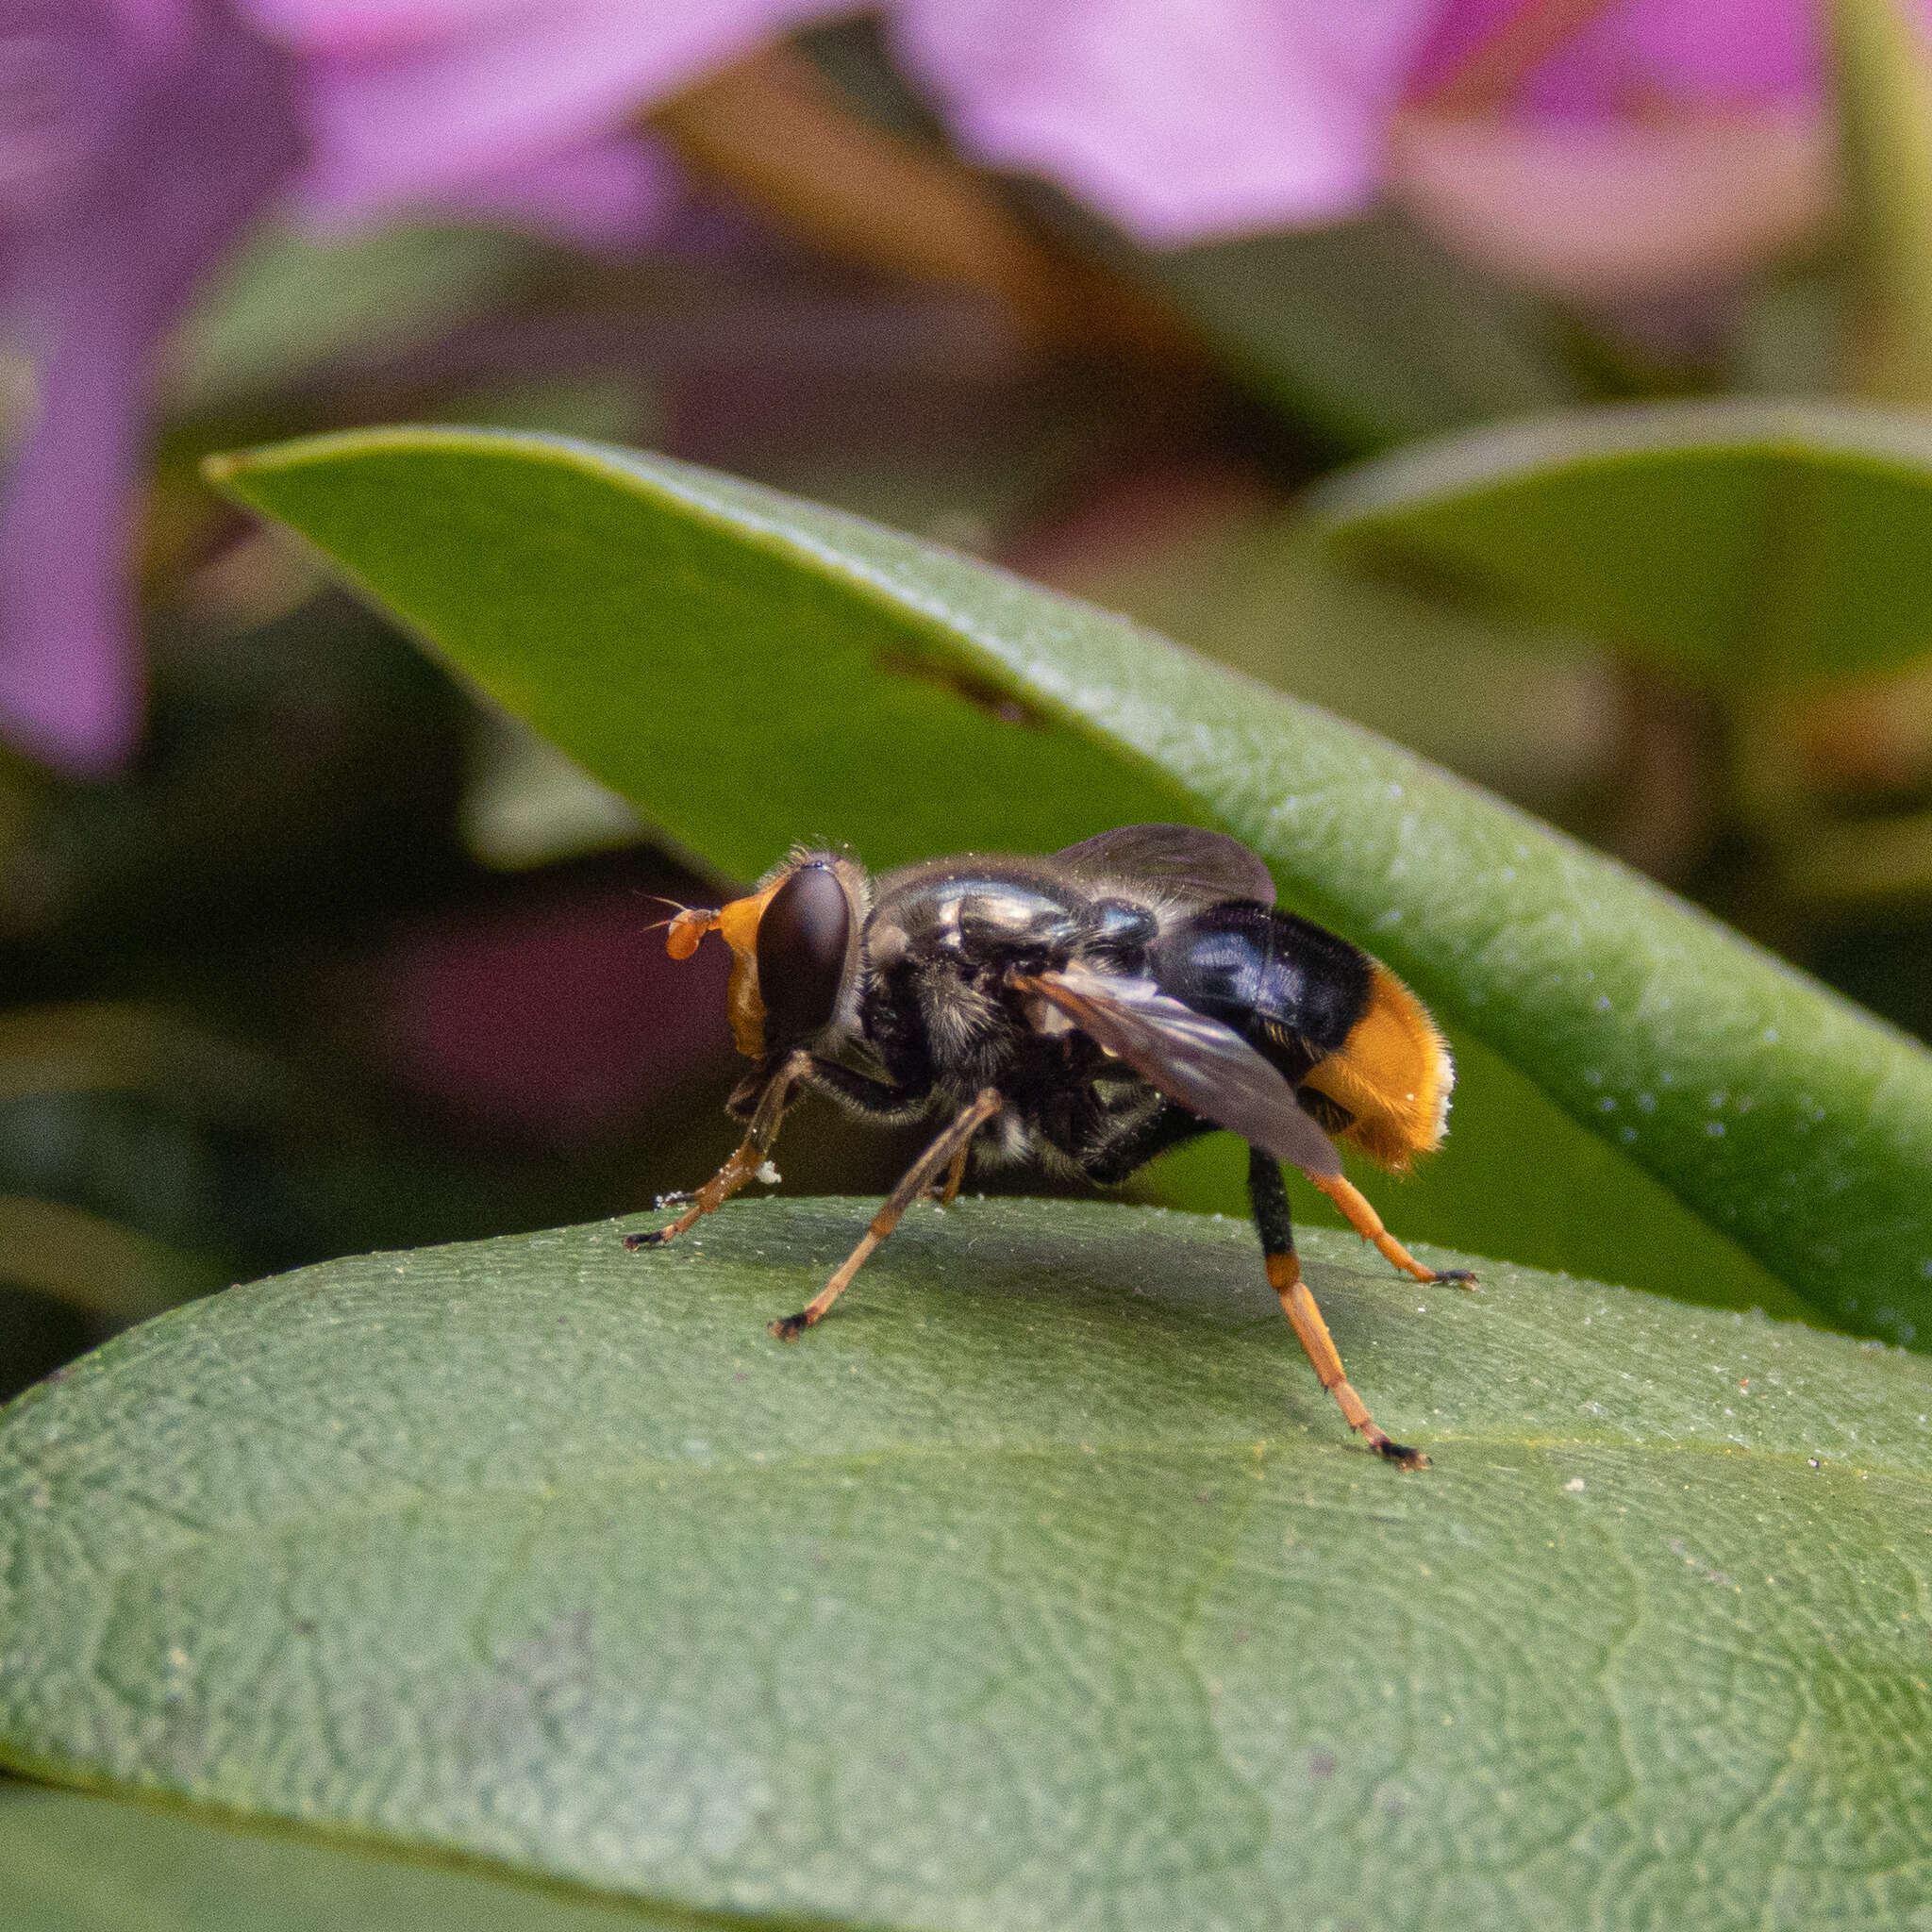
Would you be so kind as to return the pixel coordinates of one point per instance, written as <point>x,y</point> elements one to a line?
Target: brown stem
<point>774,130</point>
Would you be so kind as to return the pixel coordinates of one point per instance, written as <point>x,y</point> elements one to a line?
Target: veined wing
<point>1209,866</point>
<point>1208,1068</point>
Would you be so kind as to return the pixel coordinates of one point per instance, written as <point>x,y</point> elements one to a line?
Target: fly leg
<point>1120,1151</point>
<point>947,1195</point>
<point>1269,1194</point>
<point>1368,1223</point>
<point>744,1164</point>
<point>913,1183</point>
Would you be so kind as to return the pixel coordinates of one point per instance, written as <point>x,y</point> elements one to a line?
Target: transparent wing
<point>1208,1068</point>
<point>1205,865</point>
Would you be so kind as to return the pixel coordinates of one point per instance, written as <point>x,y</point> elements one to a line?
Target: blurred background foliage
<point>345,959</point>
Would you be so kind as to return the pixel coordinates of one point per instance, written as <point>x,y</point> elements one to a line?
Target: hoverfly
<point>1083,1013</point>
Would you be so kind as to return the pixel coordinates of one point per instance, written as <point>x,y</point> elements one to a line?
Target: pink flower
<point>1179,120</point>
<point>1592,147</point>
<point>494,104</point>
<point>134,145</point>
<point>1660,147</point>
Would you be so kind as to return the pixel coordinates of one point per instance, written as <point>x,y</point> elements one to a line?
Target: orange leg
<point>1276,1229</point>
<point>955,1175</point>
<point>950,1146</point>
<point>1368,1223</point>
<point>1298,1305</point>
<point>745,1162</point>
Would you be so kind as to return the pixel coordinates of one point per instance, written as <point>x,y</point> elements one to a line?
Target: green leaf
<point>290,304</point>
<point>751,670</point>
<point>734,667</point>
<point>93,1264</point>
<point>1739,543</point>
<point>73,1862</point>
<point>1885,120</point>
<point>1515,706</point>
<point>1042,1584</point>
<point>1370,332</point>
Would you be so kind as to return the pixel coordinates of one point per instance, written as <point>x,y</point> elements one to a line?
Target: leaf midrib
<point>637,1475</point>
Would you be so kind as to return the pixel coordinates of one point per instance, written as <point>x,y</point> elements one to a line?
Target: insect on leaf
<point>750,669</point>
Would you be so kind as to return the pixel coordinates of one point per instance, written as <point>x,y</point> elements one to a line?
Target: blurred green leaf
<point>1792,336</point>
<point>1884,71</point>
<point>708,667</point>
<point>1520,707</point>
<point>79,1046</point>
<point>1861,861</point>
<point>290,304</point>
<point>93,1264</point>
<point>1368,331</point>
<point>751,669</point>
<point>1739,543</point>
<point>71,1862</point>
<point>1040,1586</point>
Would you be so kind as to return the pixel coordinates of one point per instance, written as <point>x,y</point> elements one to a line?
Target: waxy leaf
<point>290,304</point>
<point>751,670</point>
<point>1740,543</point>
<point>1040,1587</point>
<point>1885,120</point>
<point>1368,332</point>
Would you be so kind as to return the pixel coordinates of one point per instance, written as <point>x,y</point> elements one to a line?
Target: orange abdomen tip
<point>1393,1073</point>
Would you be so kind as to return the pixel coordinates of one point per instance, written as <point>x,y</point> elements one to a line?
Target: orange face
<point>738,924</point>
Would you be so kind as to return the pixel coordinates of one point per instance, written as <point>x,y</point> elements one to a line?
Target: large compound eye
<point>805,934</point>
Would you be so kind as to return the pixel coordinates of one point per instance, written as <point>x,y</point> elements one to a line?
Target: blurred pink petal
<point>415,103</point>
<point>191,130</point>
<point>1664,148</point>
<point>1179,119</point>
<point>372,29</point>
<point>552,1016</point>
<point>1646,53</point>
<point>154,28</point>
<point>605,193</point>
<point>1603,210</point>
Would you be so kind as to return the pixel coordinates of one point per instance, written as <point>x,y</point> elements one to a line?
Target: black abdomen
<point>1291,989</point>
